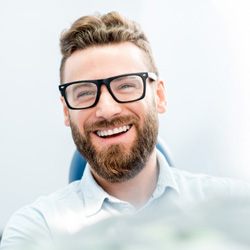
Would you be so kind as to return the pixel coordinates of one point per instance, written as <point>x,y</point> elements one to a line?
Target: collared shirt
<point>96,199</point>
<point>84,202</point>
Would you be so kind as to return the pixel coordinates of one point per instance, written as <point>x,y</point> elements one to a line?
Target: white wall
<point>202,49</point>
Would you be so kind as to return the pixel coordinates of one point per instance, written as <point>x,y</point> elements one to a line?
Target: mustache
<point>115,122</point>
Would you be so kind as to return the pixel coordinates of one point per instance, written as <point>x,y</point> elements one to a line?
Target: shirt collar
<point>94,196</point>
<point>166,178</point>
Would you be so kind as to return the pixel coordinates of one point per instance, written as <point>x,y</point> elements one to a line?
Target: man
<point>111,97</point>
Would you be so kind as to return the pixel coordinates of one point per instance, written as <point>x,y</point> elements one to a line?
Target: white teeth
<point>103,133</point>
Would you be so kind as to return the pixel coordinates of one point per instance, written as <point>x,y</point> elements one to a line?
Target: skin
<point>103,62</point>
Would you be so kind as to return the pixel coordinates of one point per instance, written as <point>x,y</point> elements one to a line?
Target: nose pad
<point>107,107</point>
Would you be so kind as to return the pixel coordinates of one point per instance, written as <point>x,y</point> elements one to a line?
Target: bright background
<point>202,49</point>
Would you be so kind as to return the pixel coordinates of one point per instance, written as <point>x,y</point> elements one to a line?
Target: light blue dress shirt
<point>84,202</point>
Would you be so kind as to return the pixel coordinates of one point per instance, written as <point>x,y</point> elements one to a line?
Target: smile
<point>115,131</point>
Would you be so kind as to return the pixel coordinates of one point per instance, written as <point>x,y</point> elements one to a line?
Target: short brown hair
<point>104,29</point>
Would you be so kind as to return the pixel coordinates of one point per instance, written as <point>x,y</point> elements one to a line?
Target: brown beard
<point>115,164</point>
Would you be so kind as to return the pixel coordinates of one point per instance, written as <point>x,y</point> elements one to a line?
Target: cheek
<point>151,95</point>
<point>142,109</point>
<point>150,103</point>
<point>78,118</point>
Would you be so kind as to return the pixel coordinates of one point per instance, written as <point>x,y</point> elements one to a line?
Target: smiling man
<point>112,117</point>
<point>111,95</point>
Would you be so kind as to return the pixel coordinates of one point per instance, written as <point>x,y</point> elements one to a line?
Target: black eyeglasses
<point>123,88</point>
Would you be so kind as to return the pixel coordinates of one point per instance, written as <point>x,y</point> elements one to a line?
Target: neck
<point>137,190</point>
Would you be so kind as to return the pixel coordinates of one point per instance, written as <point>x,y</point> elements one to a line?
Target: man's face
<point>132,128</point>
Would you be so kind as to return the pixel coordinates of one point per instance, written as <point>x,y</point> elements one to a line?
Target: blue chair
<point>78,162</point>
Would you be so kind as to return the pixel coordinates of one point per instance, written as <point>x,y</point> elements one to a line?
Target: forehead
<point>105,61</point>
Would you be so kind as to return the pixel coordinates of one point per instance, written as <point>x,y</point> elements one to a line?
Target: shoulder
<point>67,196</point>
<point>206,186</point>
<point>36,221</point>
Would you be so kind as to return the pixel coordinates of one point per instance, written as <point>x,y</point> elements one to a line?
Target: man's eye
<point>83,94</point>
<point>126,86</point>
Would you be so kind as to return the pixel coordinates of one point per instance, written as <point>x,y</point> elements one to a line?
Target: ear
<point>161,100</point>
<point>65,112</point>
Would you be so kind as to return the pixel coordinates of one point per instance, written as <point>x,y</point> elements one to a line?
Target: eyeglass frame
<point>99,82</point>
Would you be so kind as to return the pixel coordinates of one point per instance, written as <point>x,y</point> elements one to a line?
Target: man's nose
<point>107,107</point>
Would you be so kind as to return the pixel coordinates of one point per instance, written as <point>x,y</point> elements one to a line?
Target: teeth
<point>103,133</point>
